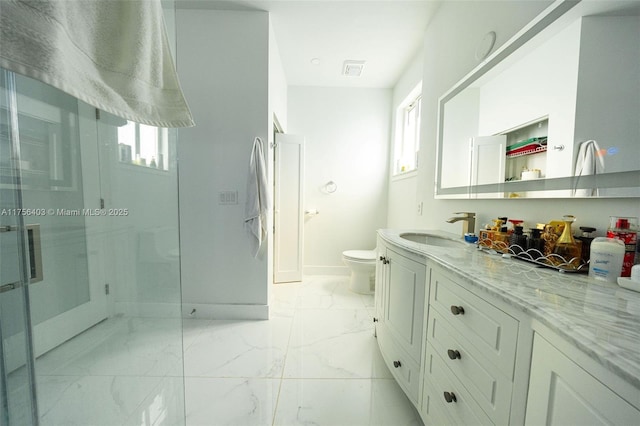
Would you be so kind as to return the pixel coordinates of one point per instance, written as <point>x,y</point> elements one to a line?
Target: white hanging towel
<point>113,55</point>
<point>258,199</point>
<point>588,162</point>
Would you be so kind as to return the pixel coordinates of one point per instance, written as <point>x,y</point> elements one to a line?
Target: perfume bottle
<point>517,240</point>
<point>511,225</point>
<point>566,246</point>
<point>485,237</point>
<point>535,244</point>
<point>501,240</point>
<point>549,237</point>
<point>488,236</point>
<point>586,239</point>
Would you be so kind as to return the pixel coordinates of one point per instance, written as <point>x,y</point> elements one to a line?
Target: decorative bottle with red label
<point>625,229</point>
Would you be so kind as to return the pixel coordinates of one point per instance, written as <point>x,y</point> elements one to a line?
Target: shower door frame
<point>17,356</point>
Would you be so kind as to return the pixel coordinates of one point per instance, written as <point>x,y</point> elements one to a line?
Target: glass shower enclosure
<point>90,297</point>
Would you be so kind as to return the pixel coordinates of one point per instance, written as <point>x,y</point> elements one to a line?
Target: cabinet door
<point>381,279</point>
<point>404,304</point>
<point>488,159</point>
<point>562,393</point>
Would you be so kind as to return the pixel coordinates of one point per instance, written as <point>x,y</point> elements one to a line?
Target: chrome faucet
<point>469,225</point>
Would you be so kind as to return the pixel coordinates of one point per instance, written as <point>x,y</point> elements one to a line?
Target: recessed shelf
<point>529,151</point>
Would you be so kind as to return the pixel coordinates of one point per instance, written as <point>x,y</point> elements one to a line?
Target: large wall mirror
<point>555,112</point>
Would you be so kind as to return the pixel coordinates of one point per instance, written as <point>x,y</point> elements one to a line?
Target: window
<point>407,138</point>
<point>143,145</point>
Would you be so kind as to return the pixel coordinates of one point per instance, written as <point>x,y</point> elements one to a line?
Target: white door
<point>288,215</point>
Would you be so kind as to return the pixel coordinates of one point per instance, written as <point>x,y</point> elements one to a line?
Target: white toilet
<point>362,264</point>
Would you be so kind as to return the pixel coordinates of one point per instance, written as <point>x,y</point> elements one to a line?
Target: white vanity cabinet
<point>401,285</point>
<point>562,392</point>
<point>480,340</point>
<point>470,358</point>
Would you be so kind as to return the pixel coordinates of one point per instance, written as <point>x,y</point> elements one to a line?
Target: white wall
<point>223,60</point>
<point>448,56</point>
<point>402,189</point>
<point>277,112</point>
<point>347,139</point>
<point>277,83</point>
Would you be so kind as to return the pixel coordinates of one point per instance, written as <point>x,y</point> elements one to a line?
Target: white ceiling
<point>386,34</point>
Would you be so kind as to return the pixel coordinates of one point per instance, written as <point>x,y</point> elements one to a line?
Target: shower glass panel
<point>101,242</point>
<point>96,237</point>
<point>17,392</point>
<point>90,296</point>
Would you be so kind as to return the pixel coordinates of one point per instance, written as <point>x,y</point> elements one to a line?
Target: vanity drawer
<point>432,411</point>
<point>493,332</point>
<point>488,385</point>
<point>404,369</point>
<point>438,386</point>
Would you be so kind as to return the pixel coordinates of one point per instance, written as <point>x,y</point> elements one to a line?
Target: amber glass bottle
<point>566,246</point>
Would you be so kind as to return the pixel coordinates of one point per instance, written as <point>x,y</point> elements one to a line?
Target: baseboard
<point>225,311</point>
<point>326,270</point>
<point>148,309</point>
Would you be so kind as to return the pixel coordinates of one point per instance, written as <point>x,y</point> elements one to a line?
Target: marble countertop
<point>600,318</point>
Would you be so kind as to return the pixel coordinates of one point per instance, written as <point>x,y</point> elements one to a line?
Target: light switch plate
<point>228,197</point>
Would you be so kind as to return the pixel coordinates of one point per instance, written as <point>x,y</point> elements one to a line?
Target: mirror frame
<point>550,21</point>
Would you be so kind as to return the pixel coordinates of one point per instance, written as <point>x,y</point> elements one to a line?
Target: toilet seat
<point>360,255</point>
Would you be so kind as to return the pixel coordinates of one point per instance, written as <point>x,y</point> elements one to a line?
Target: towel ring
<point>330,187</point>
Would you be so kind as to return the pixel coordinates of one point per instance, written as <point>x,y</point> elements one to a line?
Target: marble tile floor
<point>315,362</point>
<point>123,371</point>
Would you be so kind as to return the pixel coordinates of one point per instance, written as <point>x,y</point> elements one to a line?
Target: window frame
<point>400,145</point>
<point>134,157</point>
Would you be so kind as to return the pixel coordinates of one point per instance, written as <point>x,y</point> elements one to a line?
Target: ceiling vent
<point>352,68</point>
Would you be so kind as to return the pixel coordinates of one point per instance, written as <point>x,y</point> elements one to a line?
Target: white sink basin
<point>431,240</point>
